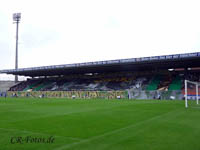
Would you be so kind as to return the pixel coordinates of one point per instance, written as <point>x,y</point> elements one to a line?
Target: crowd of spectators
<point>101,82</point>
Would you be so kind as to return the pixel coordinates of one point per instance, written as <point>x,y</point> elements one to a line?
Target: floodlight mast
<point>16,19</point>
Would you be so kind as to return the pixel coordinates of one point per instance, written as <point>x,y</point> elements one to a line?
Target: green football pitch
<point>63,124</point>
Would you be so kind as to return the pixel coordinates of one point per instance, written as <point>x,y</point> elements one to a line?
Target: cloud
<point>60,32</point>
<point>34,37</point>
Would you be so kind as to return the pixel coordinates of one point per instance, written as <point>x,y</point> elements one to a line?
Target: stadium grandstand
<point>157,77</point>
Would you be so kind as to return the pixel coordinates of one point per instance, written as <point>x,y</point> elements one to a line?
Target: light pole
<point>16,19</point>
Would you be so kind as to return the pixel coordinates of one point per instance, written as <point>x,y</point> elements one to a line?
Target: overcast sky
<point>55,32</point>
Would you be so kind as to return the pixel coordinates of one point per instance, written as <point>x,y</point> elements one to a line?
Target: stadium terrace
<point>157,77</point>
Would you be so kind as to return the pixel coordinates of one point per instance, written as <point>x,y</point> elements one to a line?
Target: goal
<point>191,93</point>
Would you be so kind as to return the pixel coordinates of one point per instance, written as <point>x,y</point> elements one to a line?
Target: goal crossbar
<point>186,93</point>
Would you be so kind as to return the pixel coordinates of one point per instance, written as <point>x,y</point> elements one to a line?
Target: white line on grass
<point>139,131</point>
<point>196,107</point>
<point>111,132</point>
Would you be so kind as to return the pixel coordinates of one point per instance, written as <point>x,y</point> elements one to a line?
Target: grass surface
<point>98,124</point>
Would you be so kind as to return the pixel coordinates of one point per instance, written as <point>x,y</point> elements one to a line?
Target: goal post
<point>197,84</point>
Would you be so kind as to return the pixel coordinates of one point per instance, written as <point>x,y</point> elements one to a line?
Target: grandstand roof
<point>187,60</point>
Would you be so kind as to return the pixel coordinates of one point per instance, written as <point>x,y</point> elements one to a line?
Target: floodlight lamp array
<point>16,17</point>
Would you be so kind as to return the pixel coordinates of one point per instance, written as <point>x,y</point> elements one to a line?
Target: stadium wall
<point>156,94</point>
<point>164,95</point>
<point>71,94</point>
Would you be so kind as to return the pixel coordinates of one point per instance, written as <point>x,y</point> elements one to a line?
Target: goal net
<point>191,94</point>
